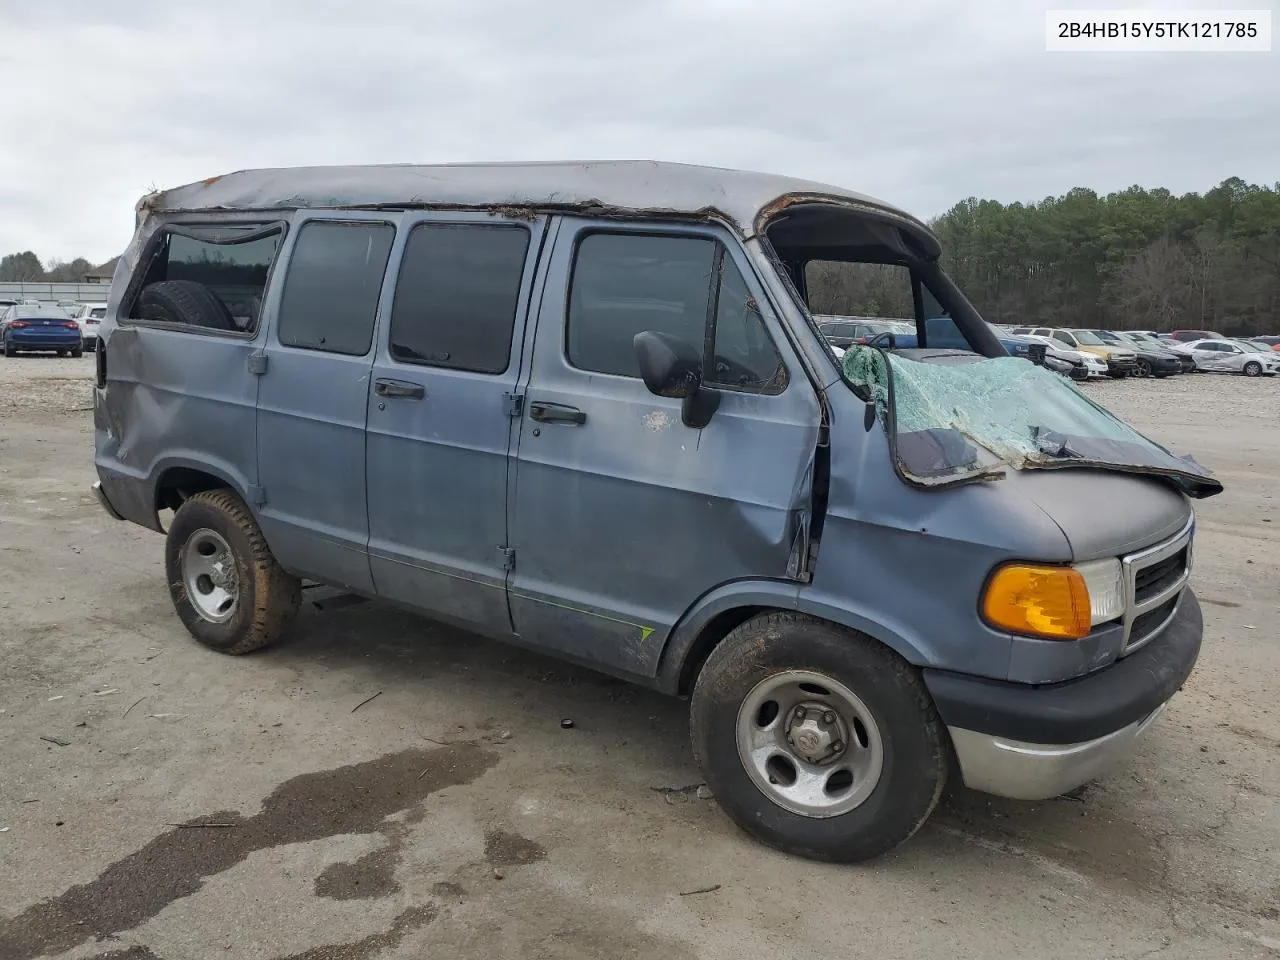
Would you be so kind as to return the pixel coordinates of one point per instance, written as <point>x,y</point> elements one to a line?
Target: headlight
<point>1103,581</point>
<point>1057,603</point>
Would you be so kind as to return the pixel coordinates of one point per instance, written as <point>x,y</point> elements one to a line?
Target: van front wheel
<point>817,740</point>
<point>225,584</point>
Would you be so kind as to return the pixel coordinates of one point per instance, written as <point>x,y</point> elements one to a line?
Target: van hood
<point>1104,514</point>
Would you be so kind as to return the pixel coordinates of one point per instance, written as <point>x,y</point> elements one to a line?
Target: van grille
<point>1154,580</point>
<point>1149,581</point>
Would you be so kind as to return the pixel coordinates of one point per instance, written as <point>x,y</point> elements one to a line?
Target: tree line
<point>1133,260</point>
<point>26,266</point>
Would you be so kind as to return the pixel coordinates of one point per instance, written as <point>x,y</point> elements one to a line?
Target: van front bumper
<point>1033,742</point>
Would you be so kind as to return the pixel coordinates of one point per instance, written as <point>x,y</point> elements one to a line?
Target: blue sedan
<point>29,327</point>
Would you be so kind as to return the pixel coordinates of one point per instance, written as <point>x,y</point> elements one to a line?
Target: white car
<point>89,316</point>
<point>1094,366</point>
<point>1227,356</point>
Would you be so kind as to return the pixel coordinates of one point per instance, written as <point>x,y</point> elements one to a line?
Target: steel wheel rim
<point>792,760</point>
<point>210,576</point>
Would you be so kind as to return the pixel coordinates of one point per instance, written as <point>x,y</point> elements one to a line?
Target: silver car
<point>1227,356</point>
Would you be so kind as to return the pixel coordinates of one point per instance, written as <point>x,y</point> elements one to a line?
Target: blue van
<point>585,408</point>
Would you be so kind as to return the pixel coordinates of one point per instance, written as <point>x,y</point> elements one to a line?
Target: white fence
<point>79,292</point>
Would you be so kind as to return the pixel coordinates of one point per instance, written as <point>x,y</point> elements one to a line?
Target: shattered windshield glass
<point>965,418</point>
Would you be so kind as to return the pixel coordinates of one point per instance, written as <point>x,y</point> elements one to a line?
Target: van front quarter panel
<point>908,566</point>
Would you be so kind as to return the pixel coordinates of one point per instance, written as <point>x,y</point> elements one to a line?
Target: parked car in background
<point>1121,361</point>
<point>844,331</point>
<point>1150,340</point>
<point>1272,342</point>
<point>1187,336</point>
<point>30,327</point>
<point>1227,356</point>
<point>1083,366</point>
<point>1256,342</point>
<point>1153,361</point>
<point>943,334</point>
<point>89,316</point>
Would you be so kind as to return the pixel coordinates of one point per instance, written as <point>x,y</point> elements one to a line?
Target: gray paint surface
<point>636,186</point>
<point>621,523</point>
<point>438,471</point>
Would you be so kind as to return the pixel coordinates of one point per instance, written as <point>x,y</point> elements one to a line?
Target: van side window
<point>234,271</point>
<point>330,296</point>
<point>625,283</point>
<point>744,356</point>
<point>457,294</point>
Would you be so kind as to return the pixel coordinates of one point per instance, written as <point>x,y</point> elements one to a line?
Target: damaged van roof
<point>746,199</point>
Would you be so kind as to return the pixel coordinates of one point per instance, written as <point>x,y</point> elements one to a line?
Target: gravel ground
<point>452,816</point>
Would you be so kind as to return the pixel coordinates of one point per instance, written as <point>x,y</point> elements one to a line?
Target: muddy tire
<point>225,584</point>
<point>817,740</point>
<point>186,302</point>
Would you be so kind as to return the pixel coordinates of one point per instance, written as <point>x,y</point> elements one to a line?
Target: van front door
<point>623,516</point>
<point>313,397</point>
<point>441,416</point>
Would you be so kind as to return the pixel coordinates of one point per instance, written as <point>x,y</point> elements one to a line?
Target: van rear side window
<point>207,278</point>
<point>331,290</point>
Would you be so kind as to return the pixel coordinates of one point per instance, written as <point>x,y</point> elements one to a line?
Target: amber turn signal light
<point>1050,602</point>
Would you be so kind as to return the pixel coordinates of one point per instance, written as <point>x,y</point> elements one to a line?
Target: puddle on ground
<point>371,946</point>
<point>373,875</point>
<point>349,800</point>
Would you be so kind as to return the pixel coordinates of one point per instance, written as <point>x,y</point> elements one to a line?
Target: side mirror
<point>671,367</point>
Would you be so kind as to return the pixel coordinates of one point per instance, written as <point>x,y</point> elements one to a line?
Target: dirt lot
<point>452,816</point>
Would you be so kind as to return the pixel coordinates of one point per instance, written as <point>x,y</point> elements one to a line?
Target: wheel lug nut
<point>828,717</point>
<point>800,713</point>
<point>837,746</point>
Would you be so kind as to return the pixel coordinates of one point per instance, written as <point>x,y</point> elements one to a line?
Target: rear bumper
<point>43,343</point>
<point>1031,742</point>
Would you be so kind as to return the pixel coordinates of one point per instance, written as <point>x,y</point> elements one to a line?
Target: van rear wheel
<point>225,584</point>
<point>817,740</point>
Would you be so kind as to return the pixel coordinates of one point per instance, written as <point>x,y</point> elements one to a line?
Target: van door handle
<point>400,389</point>
<point>556,413</point>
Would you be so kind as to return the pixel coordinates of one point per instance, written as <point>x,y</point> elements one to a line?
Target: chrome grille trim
<point>1131,565</point>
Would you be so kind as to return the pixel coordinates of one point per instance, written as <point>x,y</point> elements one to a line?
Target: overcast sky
<point>922,102</point>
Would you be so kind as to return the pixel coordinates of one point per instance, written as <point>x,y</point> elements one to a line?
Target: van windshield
<point>966,418</point>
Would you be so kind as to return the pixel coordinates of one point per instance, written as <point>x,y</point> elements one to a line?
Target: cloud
<point>921,103</point>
